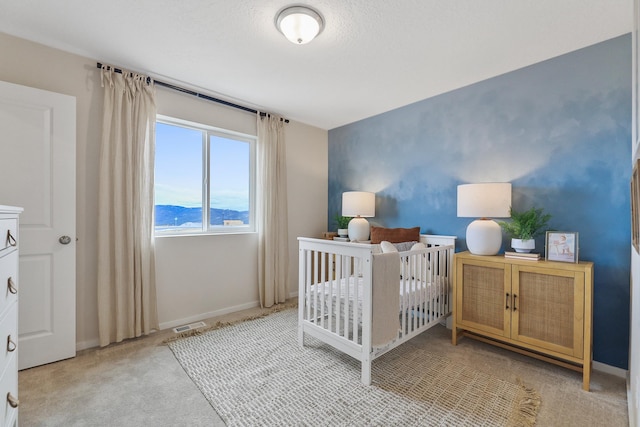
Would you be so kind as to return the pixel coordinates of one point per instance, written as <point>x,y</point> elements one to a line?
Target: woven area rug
<point>254,374</point>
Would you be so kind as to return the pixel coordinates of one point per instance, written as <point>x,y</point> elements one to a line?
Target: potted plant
<point>343,224</point>
<point>524,226</point>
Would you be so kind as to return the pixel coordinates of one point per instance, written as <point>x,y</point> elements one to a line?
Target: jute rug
<point>254,374</point>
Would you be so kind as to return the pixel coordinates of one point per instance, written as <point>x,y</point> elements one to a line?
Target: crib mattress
<point>412,292</point>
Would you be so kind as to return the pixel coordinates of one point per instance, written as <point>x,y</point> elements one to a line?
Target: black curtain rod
<point>197,94</point>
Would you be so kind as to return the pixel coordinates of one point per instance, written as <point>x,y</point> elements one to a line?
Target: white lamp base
<point>484,237</point>
<point>358,229</point>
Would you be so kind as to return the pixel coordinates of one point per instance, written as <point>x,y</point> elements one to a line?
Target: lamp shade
<point>484,200</point>
<point>359,203</point>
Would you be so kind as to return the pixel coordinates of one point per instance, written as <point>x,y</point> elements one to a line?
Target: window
<point>198,166</point>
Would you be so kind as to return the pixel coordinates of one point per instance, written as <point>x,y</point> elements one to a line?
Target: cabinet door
<point>549,309</point>
<point>481,297</point>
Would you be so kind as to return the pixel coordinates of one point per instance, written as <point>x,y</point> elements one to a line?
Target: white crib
<point>336,301</point>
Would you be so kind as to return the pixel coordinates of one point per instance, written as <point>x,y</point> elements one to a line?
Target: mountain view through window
<point>197,167</point>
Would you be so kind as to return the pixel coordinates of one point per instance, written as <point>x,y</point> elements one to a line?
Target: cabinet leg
<point>586,375</point>
<point>455,335</point>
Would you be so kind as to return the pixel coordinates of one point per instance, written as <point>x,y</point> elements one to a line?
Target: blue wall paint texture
<point>559,131</point>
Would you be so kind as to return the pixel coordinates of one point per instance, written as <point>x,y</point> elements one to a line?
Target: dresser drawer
<point>8,234</point>
<point>8,336</point>
<point>8,281</point>
<point>9,384</point>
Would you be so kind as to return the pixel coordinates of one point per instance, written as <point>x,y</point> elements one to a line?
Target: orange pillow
<point>395,235</point>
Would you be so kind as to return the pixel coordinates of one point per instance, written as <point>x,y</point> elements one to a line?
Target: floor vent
<point>188,327</point>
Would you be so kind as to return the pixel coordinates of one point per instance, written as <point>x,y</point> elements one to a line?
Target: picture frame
<point>562,246</point>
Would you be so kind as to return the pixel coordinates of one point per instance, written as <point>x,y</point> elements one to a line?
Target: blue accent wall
<point>559,131</point>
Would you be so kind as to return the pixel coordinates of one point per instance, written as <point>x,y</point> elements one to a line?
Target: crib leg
<point>366,372</point>
<point>300,320</point>
<point>300,336</point>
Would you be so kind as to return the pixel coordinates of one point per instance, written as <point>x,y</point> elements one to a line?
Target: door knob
<point>65,240</point>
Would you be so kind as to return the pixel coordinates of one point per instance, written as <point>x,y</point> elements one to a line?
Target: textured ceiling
<point>373,55</point>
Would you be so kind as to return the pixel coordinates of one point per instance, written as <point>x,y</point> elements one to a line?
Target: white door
<point>37,172</point>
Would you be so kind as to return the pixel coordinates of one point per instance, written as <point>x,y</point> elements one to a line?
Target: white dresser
<point>9,315</point>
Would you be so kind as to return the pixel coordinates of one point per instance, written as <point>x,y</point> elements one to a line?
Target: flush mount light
<point>299,24</point>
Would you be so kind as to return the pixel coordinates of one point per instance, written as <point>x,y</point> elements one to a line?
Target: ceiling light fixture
<point>299,24</point>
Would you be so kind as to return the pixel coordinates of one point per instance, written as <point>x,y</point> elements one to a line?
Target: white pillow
<point>403,246</point>
<point>418,246</point>
<point>387,247</point>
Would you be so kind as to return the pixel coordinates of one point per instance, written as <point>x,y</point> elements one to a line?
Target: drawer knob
<point>11,346</point>
<point>11,241</point>
<point>12,286</point>
<point>13,401</point>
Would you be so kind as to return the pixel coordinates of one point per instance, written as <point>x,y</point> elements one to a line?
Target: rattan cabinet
<point>539,308</point>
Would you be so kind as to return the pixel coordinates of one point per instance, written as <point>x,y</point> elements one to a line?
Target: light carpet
<point>254,374</point>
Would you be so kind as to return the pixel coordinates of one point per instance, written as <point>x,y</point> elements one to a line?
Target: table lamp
<point>359,205</point>
<point>484,201</point>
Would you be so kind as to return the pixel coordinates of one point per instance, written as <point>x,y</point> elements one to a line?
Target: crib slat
<point>416,292</point>
<point>307,282</point>
<point>338,296</point>
<point>346,263</point>
<point>357,274</point>
<point>403,299</point>
<point>323,280</point>
<point>420,289</point>
<point>426,288</point>
<point>314,292</point>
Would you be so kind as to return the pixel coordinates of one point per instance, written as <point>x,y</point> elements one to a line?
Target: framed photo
<point>562,246</point>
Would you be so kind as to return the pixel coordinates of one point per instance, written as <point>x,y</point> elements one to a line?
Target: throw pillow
<point>387,247</point>
<point>395,235</point>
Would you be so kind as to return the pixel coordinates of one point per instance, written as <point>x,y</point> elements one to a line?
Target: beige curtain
<point>126,261</point>
<point>273,246</point>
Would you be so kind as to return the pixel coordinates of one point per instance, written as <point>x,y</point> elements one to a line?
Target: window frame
<point>207,131</point>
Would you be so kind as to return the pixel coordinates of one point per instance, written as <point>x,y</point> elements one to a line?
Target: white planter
<point>520,245</point>
<point>343,232</point>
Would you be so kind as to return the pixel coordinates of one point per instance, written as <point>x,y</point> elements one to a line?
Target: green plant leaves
<point>526,225</point>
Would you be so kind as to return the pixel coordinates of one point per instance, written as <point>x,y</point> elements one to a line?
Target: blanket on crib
<point>385,299</point>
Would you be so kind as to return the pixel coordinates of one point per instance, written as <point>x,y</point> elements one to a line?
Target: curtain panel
<point>272,222</point>
<point>126,259</point>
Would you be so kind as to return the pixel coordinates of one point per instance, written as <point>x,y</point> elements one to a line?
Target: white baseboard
<point>83,345</point>
<point>608,369</point>
<point>203,316</point>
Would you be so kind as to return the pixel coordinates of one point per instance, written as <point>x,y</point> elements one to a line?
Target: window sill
<point>207,233</point>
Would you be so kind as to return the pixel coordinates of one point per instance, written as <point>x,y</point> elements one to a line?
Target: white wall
<point>197,276</point>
